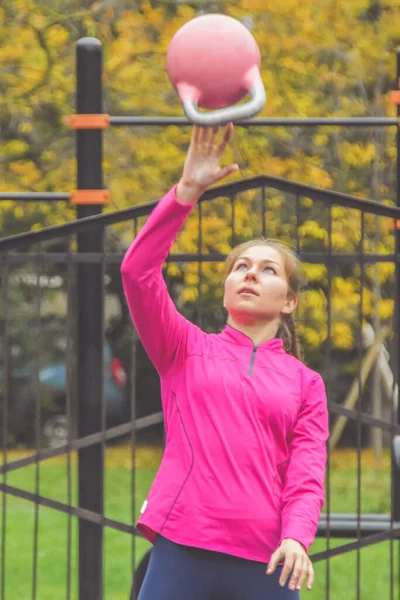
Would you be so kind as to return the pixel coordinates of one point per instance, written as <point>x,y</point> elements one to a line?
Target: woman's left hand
<point>296,561</point>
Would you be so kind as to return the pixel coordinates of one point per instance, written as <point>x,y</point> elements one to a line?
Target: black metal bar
<point>111,434</point>
<point>345,525</point>
<point>396,468</point>
<point>360,401</point>
<point>298,222</point>
<point>227,190</point>
<point>38,431</point>
<point>35,196</point>
<point>369,540</point>
<point>338,258</point>
<point>157,418</point>
<point>118,121</point>
<point>4,412</point>
<point>263,214</point>
<point>132,381</point>
<point>328,384</point>
<point>233,220</point>
<point>374,530</point>
<point>366,419</point>
<point>70,327</point>
<point>382,518</point>
<point>90,324</point>
<point>199,310</point>
<point>85,515</point>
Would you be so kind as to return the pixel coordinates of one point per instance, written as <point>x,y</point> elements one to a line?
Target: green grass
<point>52,557</point>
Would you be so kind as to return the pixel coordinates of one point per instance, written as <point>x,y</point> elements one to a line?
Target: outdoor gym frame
<point>89,198</point>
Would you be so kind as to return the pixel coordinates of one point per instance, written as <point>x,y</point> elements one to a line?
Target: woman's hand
<point>202,167</point>
<point>296,561</point>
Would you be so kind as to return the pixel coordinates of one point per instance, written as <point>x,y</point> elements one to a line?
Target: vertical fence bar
<point>233,220</point>
<point>328,393</point>
<point>4,379</point>
<point>70,327</point>
<point>298,221</point>
<point>132,387</point>
<point>38,419</point>
<point>263,213</point>
<point>360,402</point>
<point>103,417</point>
<point>394,415</point>
<point>396,470</point>
<point>90,323</point>
<point>200,267</point>
<point>393,419</point>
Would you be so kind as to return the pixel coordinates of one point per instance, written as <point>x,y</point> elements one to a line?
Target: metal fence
<point>85,252</point>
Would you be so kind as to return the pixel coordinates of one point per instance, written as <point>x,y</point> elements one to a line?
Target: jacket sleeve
<point>303,491</point>
<point>161,328</point>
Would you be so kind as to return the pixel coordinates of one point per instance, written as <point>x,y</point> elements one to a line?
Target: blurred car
<point>45,376</point>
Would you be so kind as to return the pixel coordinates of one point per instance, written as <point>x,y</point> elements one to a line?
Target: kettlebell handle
<point>229,114</point>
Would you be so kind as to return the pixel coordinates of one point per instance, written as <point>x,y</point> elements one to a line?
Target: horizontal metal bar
<point>81,513</point>
<point>370,540</point>
<point>364,418</point>
<point>87,515</point>
<point>342,525</point>
<point>339,258</point>
<point>155,419</point>
<point>35,196</point>
<point>94,438</point>
<point>264,122</point>
<point>348,533</point>
<point>366,517</point>
<point>349,528</point>
<point>330,197</point>
<point>191,257</point>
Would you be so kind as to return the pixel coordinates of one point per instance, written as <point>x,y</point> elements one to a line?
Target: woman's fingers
<point>197,133</point>
<point>302,569</point>
<point>226,171</point>
<point>274,561</point>
<point>225,140</point>
<point>208,135</point>
<point>288,566</point>
<point>310,580</point>
<point>296,565</point>
<point>202,165</point>
<point>300,573</point>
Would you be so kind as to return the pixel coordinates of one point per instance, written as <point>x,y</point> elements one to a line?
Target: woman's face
<point>257,288</point>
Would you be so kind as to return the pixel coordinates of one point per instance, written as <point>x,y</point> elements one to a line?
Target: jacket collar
<point>230,334</point>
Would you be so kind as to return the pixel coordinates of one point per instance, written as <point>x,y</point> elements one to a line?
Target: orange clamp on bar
<point>89,197</point>
<point>88,121</point>
<point>395,97</point>
<point>395,224</point>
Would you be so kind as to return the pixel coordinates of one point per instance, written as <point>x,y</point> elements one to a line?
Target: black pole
<point>396,453</point>
<point>90,322</point>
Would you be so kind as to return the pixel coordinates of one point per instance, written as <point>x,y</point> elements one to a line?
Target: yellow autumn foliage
<point>318,59</point>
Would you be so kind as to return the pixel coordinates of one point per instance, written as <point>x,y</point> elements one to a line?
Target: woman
<point>237,498</point>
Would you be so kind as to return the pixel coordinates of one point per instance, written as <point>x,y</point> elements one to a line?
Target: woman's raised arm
<point>161,328</point>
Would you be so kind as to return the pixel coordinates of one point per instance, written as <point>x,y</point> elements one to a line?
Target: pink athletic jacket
<point>246,426</point>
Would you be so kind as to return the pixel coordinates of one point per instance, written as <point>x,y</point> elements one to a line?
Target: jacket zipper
<point>253,357</point>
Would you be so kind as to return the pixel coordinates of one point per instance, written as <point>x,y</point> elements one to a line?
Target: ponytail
<point>287,332</point>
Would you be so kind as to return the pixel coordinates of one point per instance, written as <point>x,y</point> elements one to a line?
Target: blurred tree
<point>318,59</point>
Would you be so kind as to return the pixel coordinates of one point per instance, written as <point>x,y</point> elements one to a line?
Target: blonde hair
<point>287,329</point>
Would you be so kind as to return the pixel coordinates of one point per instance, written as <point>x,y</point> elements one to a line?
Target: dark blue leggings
<point>178,572</point>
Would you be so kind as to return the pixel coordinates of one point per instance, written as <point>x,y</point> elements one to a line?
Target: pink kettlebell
<point>213,62</point>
